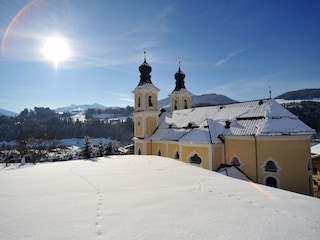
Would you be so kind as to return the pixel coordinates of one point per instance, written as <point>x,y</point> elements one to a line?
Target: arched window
<point>176,156</point>
<point>150,101</point>
<point>139,151</point>
<point>185,104</point>
<point>139,102</point>
<point>270,167</point>
<point>195,159</point>
<point>159,152</point>
<point>175,105</point>
<point>272,182</point>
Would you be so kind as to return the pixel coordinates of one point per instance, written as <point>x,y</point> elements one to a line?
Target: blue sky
<point>237,48</point>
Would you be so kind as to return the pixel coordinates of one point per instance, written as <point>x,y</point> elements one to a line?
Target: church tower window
<point>159,153</point>
<point>150,101</point>
<point>185,104</point>
<point>175,104</point>
<point>139,104</point>
<point>176,156</point>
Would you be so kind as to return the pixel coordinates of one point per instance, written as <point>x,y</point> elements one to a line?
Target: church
<point>259,140</point>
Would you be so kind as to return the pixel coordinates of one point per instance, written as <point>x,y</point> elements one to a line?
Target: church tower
<point>145,108</point>
<point>180,98</point>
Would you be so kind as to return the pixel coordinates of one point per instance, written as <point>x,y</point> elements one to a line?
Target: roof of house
<point>205,124</point>
<point>315,149</point>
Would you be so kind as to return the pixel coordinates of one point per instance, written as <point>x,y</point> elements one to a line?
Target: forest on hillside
<point>301,94</point>
<point>45,124</point>
<point>308,112</point>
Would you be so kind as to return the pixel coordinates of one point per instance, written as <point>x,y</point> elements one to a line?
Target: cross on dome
<point>145,70</point>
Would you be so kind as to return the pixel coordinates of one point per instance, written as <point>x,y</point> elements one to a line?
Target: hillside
<point>4,112</point>
<point>302,94</point>
<point>146,197</point>
<point>306,111</point>
<point>201,100</point>
<point>82,107</point>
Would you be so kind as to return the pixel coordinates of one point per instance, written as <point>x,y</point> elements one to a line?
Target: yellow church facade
<point>258,141</point>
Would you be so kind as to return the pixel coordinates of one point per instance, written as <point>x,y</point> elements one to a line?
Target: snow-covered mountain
<point>83,107</point>
<point>201,100</point>
<point>7,113</point>
<point>197,100</point>
<point>304,94</point>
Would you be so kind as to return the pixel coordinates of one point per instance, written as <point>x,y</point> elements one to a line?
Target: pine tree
<point>87,148</point>
<point>100,152</point>
<point>109,148</point>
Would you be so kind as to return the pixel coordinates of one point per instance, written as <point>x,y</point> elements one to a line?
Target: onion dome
<point>145,70</point>
<point>179,76</point>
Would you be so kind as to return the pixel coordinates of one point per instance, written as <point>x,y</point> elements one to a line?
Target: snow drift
<point>146,197</point>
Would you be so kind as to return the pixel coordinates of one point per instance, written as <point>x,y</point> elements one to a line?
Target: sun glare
<point>56,50</point>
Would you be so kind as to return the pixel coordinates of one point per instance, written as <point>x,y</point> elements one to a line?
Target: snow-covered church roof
<point>205,124</point>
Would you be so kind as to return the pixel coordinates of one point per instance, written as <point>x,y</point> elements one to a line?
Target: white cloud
<point>127,99</point>
<point>229,56</point>
<point>167,10</point>
<point>122,96</point>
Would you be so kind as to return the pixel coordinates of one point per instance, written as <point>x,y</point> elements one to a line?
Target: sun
<point>56,50</point>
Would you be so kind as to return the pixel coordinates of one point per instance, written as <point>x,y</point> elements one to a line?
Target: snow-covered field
<point>146,197</point>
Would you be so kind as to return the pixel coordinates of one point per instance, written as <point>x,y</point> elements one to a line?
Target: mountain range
<point>82,107</point>
<point>197,101</point>
<point>201,100</point>
<point>4,112</point>
<point>304,94</point>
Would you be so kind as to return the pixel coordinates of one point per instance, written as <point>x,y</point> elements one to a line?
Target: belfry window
<point>139,104</point>
<point>195,159</point>
<point>185,103</point>
<point>175,105</point>
<point>150,101</point>
<point>176,156</point>
<point>139,151</point>
<point>159,152</point>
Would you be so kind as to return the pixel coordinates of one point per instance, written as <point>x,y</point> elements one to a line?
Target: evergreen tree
<point>109,148</point>
<point>87,148</point>
<point>100,152</point>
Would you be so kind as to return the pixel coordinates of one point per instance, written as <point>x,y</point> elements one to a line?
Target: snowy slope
<point>201,100</point>
<point>146,197</point>
<point>7,113</point>
<point>83,107</point>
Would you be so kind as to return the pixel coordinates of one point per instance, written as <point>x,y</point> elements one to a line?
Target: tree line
<point>308,112</point>
<point>44,124</point>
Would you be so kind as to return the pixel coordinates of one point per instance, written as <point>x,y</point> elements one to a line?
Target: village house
<point>257,140</point>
